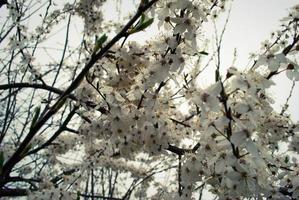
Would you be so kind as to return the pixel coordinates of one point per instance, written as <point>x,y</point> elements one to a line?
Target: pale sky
<point>252,22</point>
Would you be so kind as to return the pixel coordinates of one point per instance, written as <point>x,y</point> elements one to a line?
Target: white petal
<point>119,98</point>
<point>238,138</point>
<point>179,28</point>
<point>251,148</point>
<point>295,181</point>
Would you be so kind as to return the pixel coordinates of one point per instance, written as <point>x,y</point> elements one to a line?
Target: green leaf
<point>35,117</point>
<point>26,149</point>
<point>142,18</point>
<point>99,42</point>
<point>142,24</point>
<point>286,159</point>
<point>59,104</point>
<point>145,24</point>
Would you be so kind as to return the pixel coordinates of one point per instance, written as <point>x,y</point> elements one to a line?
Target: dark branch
<point>13,192</point>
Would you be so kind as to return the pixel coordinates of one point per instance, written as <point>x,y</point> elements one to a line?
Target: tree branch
<point>17,156</point>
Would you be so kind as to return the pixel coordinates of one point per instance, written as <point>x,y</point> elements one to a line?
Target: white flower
<point>176,61</point>
<point>265,45</point>
<point>182,24</point>
<point>183,4</point>
<point>240,137</point>
<point>292,72</point>
<point>241,108</point>
<point>172,42</point>
<point>273,62</point>
<point>293,14</point>
<point>208,98</point>
<point>221,123</point>
<point>294,144</point>
<point>135,93</point>
<point>199,12</point>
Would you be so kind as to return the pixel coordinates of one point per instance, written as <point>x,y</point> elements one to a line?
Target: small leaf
<point>60,103</point>
<point>145,24</point>
<point>26,149</point>
<point>142,18</point>
<point>99,42</point>
<point>35,117</point>
<point>142,24</point>
<point>286,159</point>
<point>102,39</point>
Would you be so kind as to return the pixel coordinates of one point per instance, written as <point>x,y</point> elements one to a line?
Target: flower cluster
<point>92,15</point>
<point>140,107</point>
<point>232,121</point>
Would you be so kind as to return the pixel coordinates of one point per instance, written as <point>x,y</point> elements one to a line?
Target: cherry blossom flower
<point>273,62</point>
<point>292,72</point>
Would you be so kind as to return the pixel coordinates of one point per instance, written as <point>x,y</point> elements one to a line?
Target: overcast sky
<point>251,22</point>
